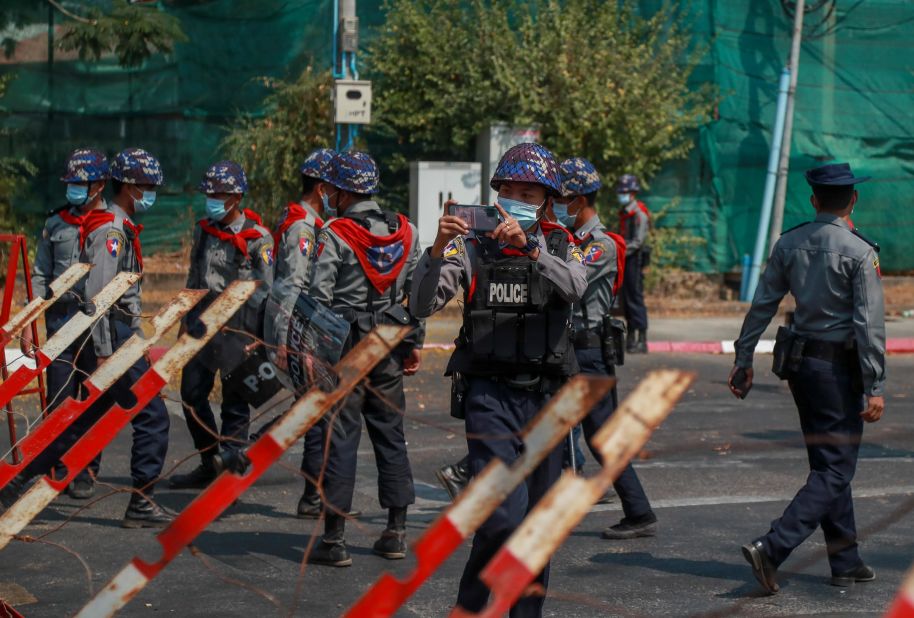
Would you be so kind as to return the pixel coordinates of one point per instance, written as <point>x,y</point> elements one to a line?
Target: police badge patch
<point>305,242</point>
<point>266,254</point>
<point>576,254</point>
<point>114,242</point>
<point>455,247</point>
<point>594,251</point>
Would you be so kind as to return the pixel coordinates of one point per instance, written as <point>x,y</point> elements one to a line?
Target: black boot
<point>143,513</point>
<point>309,505</point>
<point>82,487</point>
<point>198,478</point>
<point>631,339</point>
<point>454,477</point>
<point>331,549</point>
<point>392,544</point>
<point>641,346</point>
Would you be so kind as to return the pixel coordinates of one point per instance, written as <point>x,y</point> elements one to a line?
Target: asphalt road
<point>718,472</point>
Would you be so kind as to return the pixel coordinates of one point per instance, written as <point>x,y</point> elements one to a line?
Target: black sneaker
<point>332,554</point>
<point>309,506</point>
<point>198,478</point>
<point>81,488</point>
<point>862,573</point>
<point>762,567</point>
<point>454,478</point>
<point>143,513</point>
<point>632,528</point>
<point>391,545</point>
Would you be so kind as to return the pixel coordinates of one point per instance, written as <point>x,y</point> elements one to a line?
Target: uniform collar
<point>307,206</point>
<point>118,211</point>
<point>827,217</point>
<point>77,211</point>
<point>587,229</point>
<point>236,225</point>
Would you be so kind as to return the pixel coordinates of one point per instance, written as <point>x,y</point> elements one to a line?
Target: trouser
<point>312,461</point>
<point>634,501</point>
<point>197,381</point>
<point>633,293</point>
<point>829,408</point>
<point>379,399</point>
<point>65,375</point>
<point>150,425</point>
<point>496,414</point>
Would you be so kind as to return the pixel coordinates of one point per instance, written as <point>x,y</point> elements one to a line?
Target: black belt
<point>587,339</point>
<point>529,382</point>
<point>830,351</point>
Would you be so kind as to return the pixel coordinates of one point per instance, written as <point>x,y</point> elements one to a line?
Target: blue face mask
<point>328,211</point>
<point>215,209</point>
<point>524,213</point>
<point>624,198</point>
<point>145,203</point>
<point>77,194</point>
<point>562,216</point>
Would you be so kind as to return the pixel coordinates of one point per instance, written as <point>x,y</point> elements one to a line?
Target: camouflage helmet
<point>135,166</point>
<point>528,163</point>
<point>628,183</point>
<point>86,165</point>
<point>318,163</point>
<point>579,177</point>
<point>355,172</point>
<point>224,177</point>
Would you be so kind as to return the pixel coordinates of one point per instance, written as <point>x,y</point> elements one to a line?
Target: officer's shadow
<point>711,569</point>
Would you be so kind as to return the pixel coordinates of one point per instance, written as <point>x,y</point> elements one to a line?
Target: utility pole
<point>780,196</point>
<point>351,97</point>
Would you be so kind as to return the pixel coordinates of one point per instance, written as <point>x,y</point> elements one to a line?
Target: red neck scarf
<point>95,219</point>
<point>71,219</point>
<point>239,240</point>
<point>294,212</point>
<point>381,257</point>
<point>624,215</point>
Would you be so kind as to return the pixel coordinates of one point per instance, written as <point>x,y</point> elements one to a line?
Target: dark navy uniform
<point>514,352</point>
<point>634,225</point>
<point>833,273</point>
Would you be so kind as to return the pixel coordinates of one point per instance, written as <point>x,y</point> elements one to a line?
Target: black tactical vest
<point>515,322</point>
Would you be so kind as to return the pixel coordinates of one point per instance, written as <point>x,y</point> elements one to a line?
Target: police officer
<point>112,245</point>
<point>514,350</point>
<point>603,253</point>
<point>230,244</point>
<point>363,268</point>
<point>86,176</point>
<point>833,357</point>
<point>295,242</point>
<point>634,224</point>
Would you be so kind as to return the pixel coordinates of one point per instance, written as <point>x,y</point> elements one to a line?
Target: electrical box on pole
<point>352,101</point>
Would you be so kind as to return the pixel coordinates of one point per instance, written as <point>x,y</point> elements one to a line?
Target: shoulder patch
<point>593,252</point>
<point>576,254</point>
<point>114,242</point>
<point>455,247</point>
<point>876,266</point>
<point>796,227</point>
<point>44,233</point>
<point>305,243</point>
<point>266,254</point>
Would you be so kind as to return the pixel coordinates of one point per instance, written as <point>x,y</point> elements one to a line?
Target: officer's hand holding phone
<point>509,230</point>
<point>449,228</point>
<point>740,381</point>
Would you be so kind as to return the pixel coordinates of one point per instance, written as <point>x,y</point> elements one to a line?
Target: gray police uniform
<point>340,282</point>
<point>635,226</point>
<point>515,350</point>
<point>110,249</point>
<point>215,263</point>
<point>600,258</point>
<point>834,275</point>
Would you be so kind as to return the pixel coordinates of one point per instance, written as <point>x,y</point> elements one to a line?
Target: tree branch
<point>78,18</point>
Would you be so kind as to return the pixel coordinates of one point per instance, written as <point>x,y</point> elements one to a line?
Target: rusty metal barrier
<point>903,606</point>
<point>229,485</point>
<point>483,495</point>
<point>100,381</point>
<point>37,306</point>
<point>528,550</point>
<point>69,333</point>
<point>43,492</point>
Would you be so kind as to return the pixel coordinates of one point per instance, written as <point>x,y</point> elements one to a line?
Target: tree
<point>132,32</point>
<point>600,80</point>
<point>271,148</point>
<point>14,175</point>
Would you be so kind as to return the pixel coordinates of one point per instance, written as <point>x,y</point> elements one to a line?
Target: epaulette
<point>873,244</point>
<point>796,227</point>
<point>54,211</point>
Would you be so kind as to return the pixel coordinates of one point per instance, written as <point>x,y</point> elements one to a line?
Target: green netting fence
<point>853,104</point>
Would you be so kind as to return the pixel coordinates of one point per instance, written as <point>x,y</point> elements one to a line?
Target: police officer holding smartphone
<point>833,358</point>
